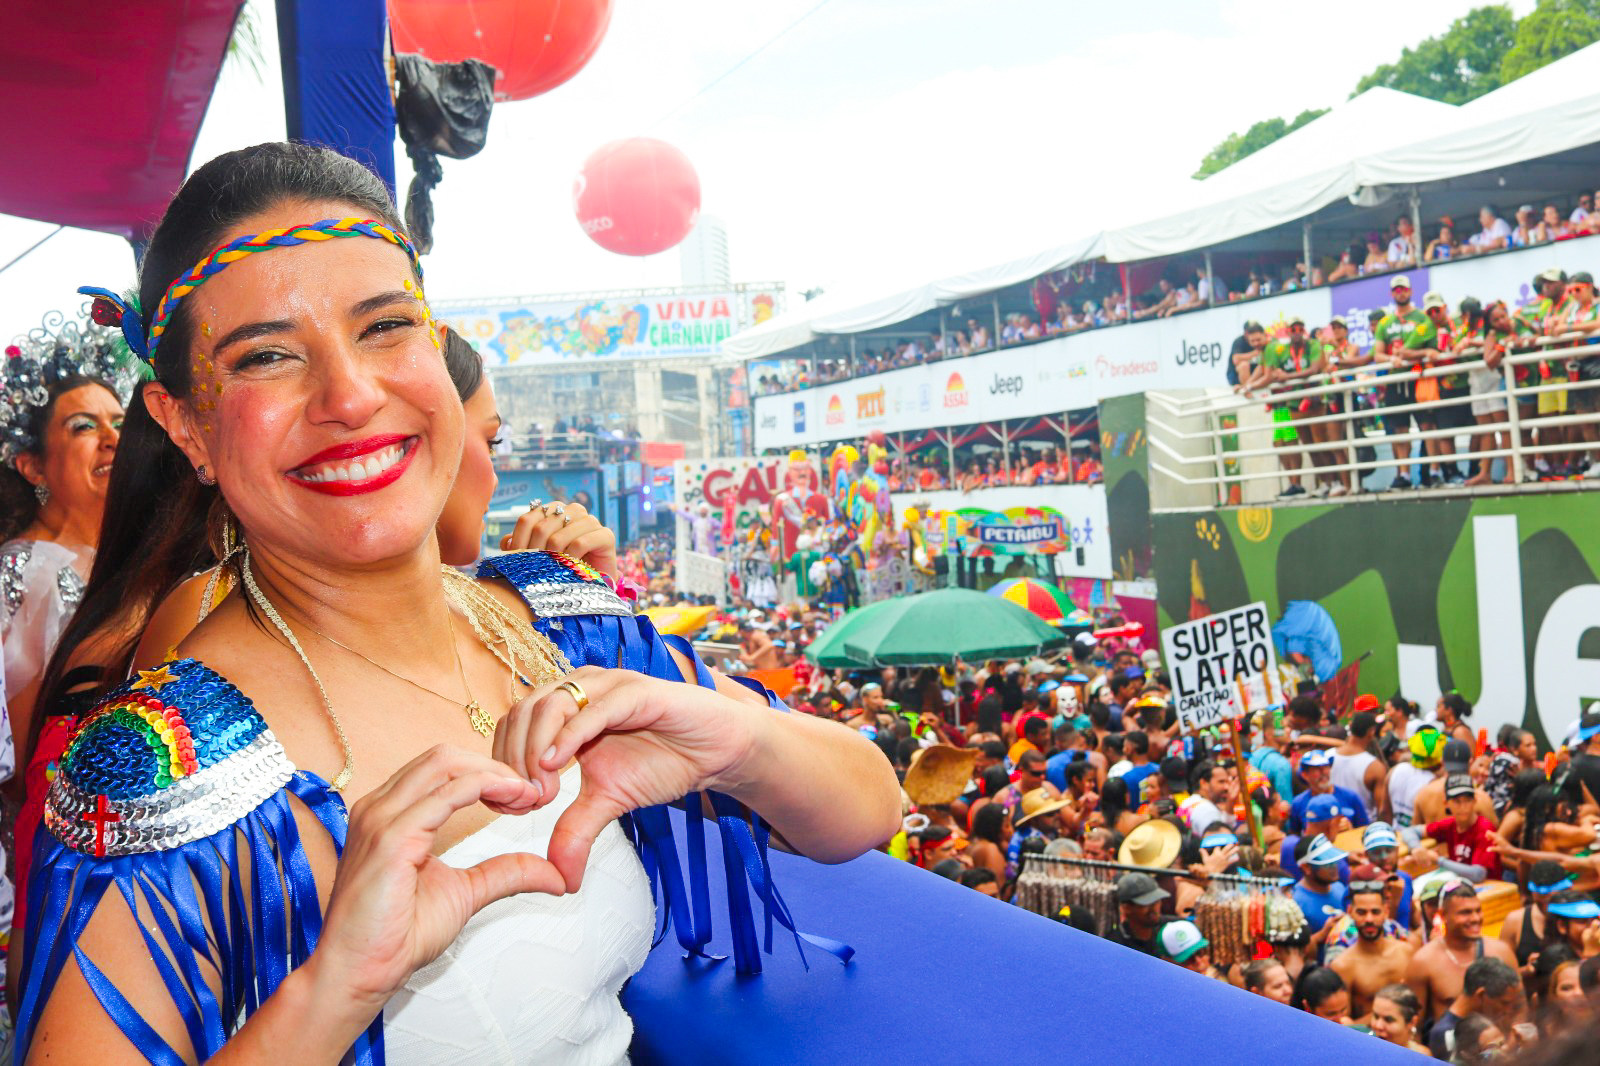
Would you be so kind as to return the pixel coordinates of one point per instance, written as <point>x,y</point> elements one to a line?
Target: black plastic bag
<point>442,110</point>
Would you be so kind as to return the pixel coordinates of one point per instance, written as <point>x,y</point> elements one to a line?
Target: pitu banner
<point>611,326</point>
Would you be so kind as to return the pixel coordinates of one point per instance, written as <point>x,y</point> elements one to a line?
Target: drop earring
<point>41,492</point>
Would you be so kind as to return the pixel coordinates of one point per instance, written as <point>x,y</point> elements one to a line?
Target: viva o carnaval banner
<point>610,326</point>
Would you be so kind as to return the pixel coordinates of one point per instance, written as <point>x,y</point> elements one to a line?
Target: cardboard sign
<point>1222,666</point>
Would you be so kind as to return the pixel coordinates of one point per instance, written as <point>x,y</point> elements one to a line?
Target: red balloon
<point>535,45</point>
<point>637,196</point>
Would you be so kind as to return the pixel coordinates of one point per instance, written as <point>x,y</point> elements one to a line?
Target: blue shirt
<point>1135,778</point>
<point>1318,907</point>
<point>1055,767</point>
<point>1276,766</point>
<point>1346,798</point>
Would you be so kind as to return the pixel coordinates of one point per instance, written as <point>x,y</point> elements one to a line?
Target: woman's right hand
<point>395,906</point>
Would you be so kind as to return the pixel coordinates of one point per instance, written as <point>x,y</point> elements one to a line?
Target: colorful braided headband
<point>109,309</point>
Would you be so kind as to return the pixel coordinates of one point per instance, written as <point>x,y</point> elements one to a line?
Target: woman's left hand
<point>568,528</point>
<point>640,740</point>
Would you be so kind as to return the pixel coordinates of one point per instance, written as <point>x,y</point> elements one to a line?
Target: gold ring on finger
<point>575,690</point>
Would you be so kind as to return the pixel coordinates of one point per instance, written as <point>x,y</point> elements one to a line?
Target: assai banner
<point>614,326</point>
<point>1221,666</point>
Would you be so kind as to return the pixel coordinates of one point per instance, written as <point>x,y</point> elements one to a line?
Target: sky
<point>876,145</point>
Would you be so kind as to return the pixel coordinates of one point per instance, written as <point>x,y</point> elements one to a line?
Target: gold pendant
<point>479,718</point>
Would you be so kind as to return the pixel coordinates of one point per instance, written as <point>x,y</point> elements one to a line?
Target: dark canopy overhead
<point>100,104</point>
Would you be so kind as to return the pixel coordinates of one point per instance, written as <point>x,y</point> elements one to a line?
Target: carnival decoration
<point>800,499</point>
<point>534,45</point>
<point>57,349</point>
<point>636,196</point>
<point>915,542</point>
<point>860,490</point>
<point>1045,600</point>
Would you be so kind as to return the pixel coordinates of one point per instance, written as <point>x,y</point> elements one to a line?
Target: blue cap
<point>1218,840</point>
<point>1079,678</point>
<point>1048,686</point>
<point>1551,889</point>
<point>1133,673</point>
<point>1323,852</point>
<point>1588,731</point>
<point>1317,757</point>
<point>1379,835</point>
<point>1578,908</point>
<point>1322,808</point>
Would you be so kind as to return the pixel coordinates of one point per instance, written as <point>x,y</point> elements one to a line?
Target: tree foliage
<point>1554,29</point>
<point>1458,65</point>
<point>1257,137</point>
<point>1484,49</point>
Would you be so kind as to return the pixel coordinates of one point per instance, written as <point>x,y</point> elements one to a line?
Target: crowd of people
<point>1072,301</point>
<point>1390,828</point>
<point>1463,359</point>
<point>934,469</point>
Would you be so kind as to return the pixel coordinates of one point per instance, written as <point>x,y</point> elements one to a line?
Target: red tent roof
<point>100,104</point>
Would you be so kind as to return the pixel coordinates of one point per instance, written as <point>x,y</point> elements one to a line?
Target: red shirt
<point>1470,847</point>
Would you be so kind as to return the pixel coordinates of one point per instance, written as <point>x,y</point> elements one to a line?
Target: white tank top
<point>1349,771</point>
<point>532,978</point>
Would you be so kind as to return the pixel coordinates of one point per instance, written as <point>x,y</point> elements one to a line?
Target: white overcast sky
<point>880,143</point>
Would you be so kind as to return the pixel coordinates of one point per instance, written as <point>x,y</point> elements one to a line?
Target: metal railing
<point>557,451</point>
<point>1519,441</point>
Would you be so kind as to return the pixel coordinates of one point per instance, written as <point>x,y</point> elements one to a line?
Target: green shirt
<point>1413,329</point>
<point>799,564</point>
<point>1282,355</point>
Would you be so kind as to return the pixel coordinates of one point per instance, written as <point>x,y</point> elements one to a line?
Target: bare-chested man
<point>1376,958</point>
<point>1437,968</point>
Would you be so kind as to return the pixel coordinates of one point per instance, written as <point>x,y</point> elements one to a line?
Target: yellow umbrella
<point>680,621</point>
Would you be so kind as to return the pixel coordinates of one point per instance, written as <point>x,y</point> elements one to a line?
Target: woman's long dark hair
<point>158,518</point>
<point>18,504</point>
<point>1315,985</point>
<point>988,822</point>
<point>1113,799</point>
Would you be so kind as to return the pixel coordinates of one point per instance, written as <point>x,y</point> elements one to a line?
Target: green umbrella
<point>827,651</point>
<point>934,627</point>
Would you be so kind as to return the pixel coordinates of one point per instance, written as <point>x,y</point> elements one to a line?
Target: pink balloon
<point>637,196</point>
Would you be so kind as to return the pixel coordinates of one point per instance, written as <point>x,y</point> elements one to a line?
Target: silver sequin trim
<point>13,562</point>
<point>70,585</point>
<point>191,808</point>
<point>556,599</point>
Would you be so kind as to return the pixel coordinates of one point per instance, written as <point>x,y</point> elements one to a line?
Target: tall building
<point>703,255</point>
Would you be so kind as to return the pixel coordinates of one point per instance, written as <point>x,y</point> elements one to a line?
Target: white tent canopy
<point>1404,140</point>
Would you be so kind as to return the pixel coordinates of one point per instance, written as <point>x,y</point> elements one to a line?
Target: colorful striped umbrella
<point>1044,600</point>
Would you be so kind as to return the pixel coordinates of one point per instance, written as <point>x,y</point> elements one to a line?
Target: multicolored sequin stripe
<point>556,586</point>
<point>169,758</point>
<point>109,307</point>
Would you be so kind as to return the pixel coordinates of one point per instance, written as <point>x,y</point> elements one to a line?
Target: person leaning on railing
<point>1486,384</point>
<point>1583,319</point>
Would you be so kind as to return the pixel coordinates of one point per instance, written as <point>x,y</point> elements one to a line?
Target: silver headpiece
<point>58,348</point>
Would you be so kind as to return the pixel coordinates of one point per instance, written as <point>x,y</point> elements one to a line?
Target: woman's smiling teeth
<point>363,468</point>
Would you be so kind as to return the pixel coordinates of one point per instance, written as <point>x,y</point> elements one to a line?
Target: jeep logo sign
<point>1199,355</point>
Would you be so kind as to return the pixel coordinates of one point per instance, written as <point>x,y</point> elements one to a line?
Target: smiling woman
<point>365,750</point>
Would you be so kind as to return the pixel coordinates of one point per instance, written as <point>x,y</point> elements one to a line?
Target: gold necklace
<point>342,778</point>
<point>494,623</point>
<point>480,718</point>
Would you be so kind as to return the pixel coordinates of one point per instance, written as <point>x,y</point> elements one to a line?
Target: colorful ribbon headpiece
<point>109,309</point>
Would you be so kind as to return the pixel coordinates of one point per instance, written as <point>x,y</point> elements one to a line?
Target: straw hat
<point>1155,843</point>
<point>939,774</point>
<point>1037,802</point>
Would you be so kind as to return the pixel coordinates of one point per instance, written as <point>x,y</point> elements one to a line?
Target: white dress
<point>532,978</point>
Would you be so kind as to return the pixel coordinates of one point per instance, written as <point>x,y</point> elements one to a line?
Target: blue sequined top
<point>173,776</point>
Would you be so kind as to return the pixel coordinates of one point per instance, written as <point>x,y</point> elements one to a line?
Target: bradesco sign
<point>1216,661</point>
